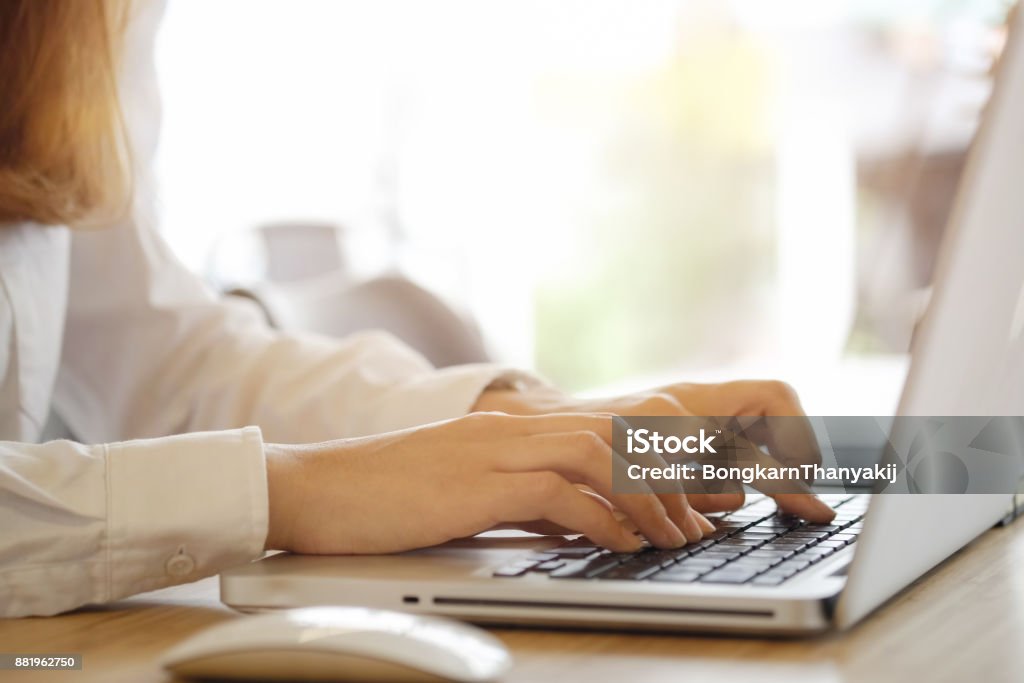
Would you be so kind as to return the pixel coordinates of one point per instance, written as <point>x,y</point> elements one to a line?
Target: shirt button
<point>180,565</point>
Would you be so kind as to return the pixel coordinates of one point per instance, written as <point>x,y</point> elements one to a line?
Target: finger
<point>703,522</point>
<point>529,496</point>
<point>705,525</point>
<point>560,423</point>
<point>675,506</point>
<point>805,505</point>
<point>793,495</point>
<point>740,397</point>
<point>671,492</point>
<point>583,457</point>
<point>541,527</point>
<point>790,439</point>
<point>678,510</point>
<point>652,403</point>
<point>716,502</point>
<point>780,422</point>
<point>598,497</point>
<point>683,516</point>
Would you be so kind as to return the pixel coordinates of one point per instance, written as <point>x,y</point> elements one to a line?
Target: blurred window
<point>614,189</point>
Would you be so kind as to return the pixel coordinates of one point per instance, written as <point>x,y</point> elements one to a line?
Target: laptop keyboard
<point>754,545</point>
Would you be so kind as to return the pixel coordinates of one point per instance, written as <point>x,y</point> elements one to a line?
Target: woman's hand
<point>430,484</point>
<point>790,442</point>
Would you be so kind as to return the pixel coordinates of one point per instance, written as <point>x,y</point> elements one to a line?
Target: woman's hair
<point>63,148</point>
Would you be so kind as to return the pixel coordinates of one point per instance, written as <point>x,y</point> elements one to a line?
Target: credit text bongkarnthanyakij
<point>754,473</point>
<point>968,454</point>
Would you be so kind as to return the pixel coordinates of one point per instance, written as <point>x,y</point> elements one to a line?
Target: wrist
<point>282,482</point>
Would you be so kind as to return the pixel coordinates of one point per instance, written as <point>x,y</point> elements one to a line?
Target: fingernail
<point>631,542</point>
<point>692,528</point>
<point>676,539</point>
<point>705,523</point>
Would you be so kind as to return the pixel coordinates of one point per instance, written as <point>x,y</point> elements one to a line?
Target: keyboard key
<point>548,566</point>
<point>575,552</point>
<point>542,556</point>
<point>666,558</point>
<point>778,555</point>
<point>805,534</point>
<point>652,556</point>
<point>780,549</point>
<point>756,534</point>
<point>788,542</point>
<point>676,577</point>
<point>585,569</point>
<point>781,572</point>
<point>727,553</point>
<point>795,563</point>
<point>622,557</point>
<point>745,520</point>
<point>513,569</point>
<point>630,572</point>
<point>735,541</point>
<point>788,521</point>
<point>650,561</point>
<point>770,525</point>
<point>746,567</point>
<point>768,580</point>
<point>748,561</point>
<point>729,575</point>
<point>508,572</point>
<point>705,563</point>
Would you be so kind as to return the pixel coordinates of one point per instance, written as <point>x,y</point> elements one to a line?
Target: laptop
<point>760,572</point>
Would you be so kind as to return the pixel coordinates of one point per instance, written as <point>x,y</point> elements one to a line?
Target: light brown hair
<point>63,153</point>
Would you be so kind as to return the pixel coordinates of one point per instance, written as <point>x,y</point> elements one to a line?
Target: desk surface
<point>963,621</point>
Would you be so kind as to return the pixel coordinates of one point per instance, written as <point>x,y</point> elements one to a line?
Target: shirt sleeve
<point>148,351</point>
<point>90,524</point>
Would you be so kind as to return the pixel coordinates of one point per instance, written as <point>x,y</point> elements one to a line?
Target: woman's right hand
<point>427,485</point>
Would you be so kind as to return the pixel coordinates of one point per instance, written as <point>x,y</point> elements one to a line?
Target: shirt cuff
<point>441,395</point>
<point>182,507</point>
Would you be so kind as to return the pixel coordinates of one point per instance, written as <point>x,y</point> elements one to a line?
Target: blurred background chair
<point>308,287</point>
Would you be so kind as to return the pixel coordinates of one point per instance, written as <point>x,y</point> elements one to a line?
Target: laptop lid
<point>968,355</point>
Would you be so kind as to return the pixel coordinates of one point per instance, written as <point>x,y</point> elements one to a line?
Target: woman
<point>189,401</point>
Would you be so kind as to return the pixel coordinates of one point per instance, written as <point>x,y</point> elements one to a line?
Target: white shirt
<point>142,360</point>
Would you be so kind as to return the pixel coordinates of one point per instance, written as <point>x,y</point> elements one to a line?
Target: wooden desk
<point>962,622</point>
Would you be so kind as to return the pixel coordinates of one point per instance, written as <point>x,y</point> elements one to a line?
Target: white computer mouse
<point>341,644</point>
